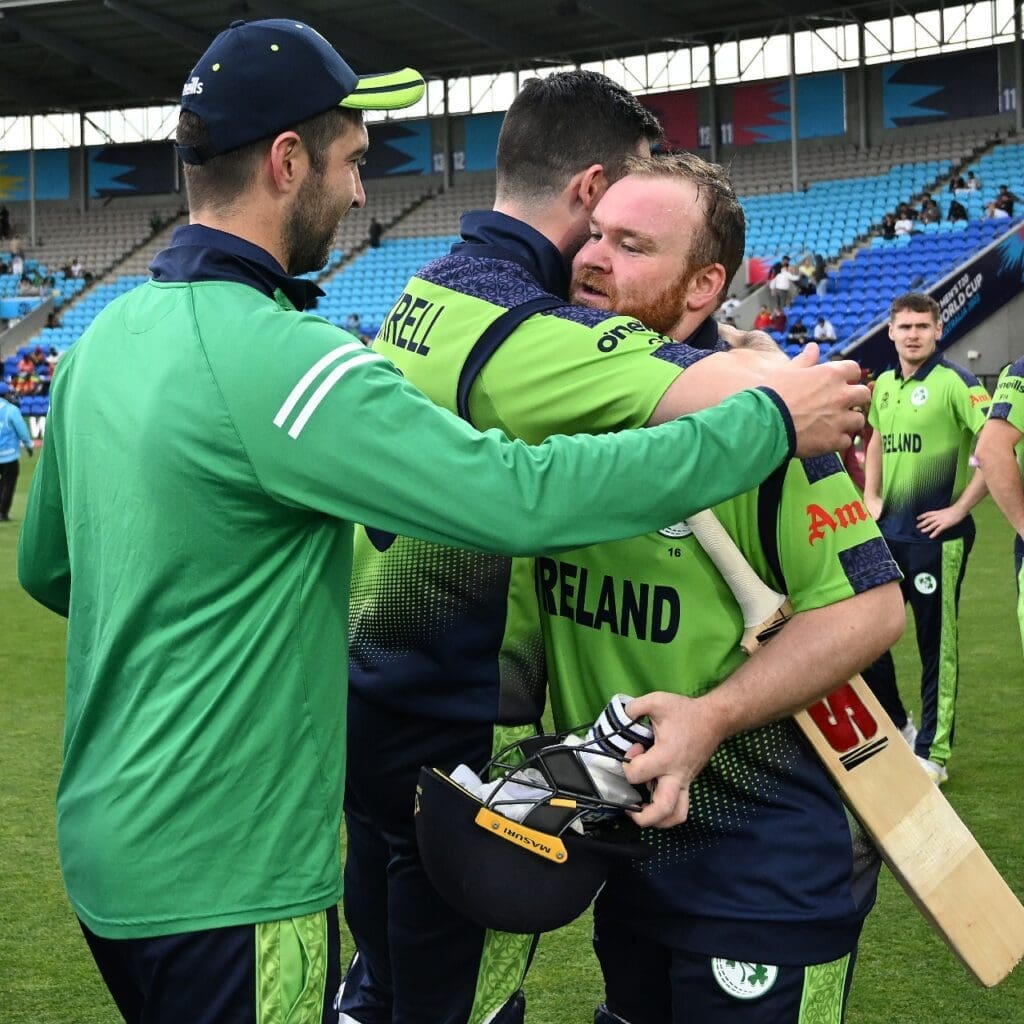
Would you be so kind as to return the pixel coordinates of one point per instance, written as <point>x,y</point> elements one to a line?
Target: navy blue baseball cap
<point>258,78</point>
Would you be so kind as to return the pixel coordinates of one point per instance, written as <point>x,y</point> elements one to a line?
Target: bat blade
<point>920,836</point>
<point>916,830</point>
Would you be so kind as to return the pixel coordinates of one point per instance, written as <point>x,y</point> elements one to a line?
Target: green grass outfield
<point>905,974</point>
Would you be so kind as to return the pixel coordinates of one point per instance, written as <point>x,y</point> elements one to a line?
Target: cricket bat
<point>919,835</point>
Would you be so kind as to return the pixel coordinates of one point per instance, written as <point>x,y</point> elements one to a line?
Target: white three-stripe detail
<point>299,390</point>
<point>307,379</point>
<point>332,378</point>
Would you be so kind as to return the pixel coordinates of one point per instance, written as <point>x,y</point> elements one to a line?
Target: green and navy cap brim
<point>392,90</point>
<point>259,78</point>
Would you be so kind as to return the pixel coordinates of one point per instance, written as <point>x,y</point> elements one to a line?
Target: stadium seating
<point>861,290</point>
<point>836,215</point>
<point>101,236</point>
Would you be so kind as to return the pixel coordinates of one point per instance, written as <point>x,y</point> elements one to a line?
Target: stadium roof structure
<point>81,55</point>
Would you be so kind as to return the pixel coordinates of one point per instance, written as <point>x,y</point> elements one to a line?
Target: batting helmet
<point>534,853</point>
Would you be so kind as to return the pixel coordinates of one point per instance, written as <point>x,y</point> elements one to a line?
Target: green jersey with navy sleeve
<point>1008,402</point>
<point>452,634</point>
<point>193,521</point>
<point>926,425</point>
<point>653,613</point>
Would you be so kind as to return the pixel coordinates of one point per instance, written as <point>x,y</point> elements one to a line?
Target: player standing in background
<point>1001,456</point>
<point>199,544</point>
<point>919,488</point>
<point>446,652</point>
<point>751,910</point>
<point>14,436</point>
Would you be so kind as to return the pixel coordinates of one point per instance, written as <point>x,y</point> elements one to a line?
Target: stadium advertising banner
<point>677,112</point>
<point>53,179</point>
<point>966,299</point>
<point>943,88</point>
<point>761,111</point>
<point>481,142</point>
<point>399,147</point>
<point>140,169</point>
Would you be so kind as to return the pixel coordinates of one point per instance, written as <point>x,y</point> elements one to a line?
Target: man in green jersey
<point>752,902</point>
<point>919,486</point>
<point>1000,453</point>
<point>199,544</point>
<point>446,656</point>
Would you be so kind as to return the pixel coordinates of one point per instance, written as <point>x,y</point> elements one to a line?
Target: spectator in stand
<point>14,436</point>
<point>17,260</point>
<point>930,212</point>
<point>763,320</point>
<point>5,222</point>
<point>1002,205</point>
<point>957,184</point>
<point>805,285</point>
<point>957,211</point>
<point>823,330</point>
<point>76,269</point>
<point>888,227</point>
<point>376,230</point>
<point>728,308</point>
<point>781,285</point>
<point>904,224</point>
<point>797,333</point>
<point>52,358</point>
<point>973,182</point>
<point>779,320</point>
<point>52,321</point>
<point>352,323</point>
<point>820,274</point>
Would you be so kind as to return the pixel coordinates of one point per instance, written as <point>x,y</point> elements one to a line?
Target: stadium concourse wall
<point>980,303</point>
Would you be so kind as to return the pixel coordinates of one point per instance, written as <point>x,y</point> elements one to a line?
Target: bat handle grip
<point>757,601</point>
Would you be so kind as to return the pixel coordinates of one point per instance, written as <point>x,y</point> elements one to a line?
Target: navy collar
<point>199,253</point>
<point>705,337</point>
<point>516,241</point>
<point>923,370</point>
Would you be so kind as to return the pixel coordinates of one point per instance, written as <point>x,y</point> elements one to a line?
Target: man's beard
<point>310,230</point>
<point>660,306</point>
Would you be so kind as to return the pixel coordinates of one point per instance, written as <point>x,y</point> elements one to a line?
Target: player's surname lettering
<point>409,323</point>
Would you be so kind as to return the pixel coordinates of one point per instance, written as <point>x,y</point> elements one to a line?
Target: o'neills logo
<point>193,87</point>
<point>838,519</point>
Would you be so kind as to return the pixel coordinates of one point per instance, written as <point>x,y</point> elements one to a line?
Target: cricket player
<point>1000,453</point>
<point>446,651</point>
<point>919,486</point>
<point>199,544</point>
<point>751,906</point>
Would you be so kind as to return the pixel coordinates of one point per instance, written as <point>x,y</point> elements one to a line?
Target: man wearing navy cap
<point>200,544</point>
